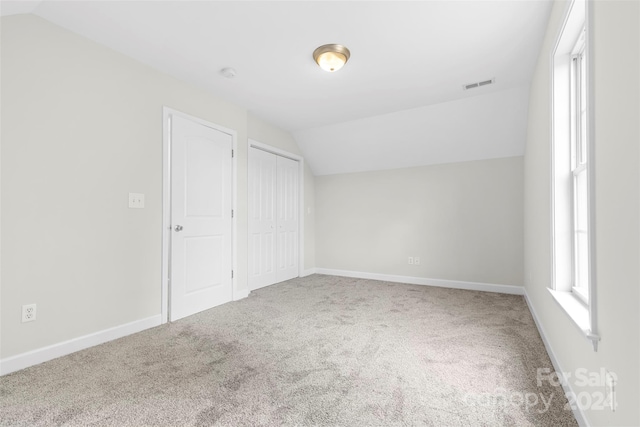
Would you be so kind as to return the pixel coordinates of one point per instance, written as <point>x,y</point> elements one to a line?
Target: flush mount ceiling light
<point>331,57</point>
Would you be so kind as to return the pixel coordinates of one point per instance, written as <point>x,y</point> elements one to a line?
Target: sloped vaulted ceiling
<point>398,102</point>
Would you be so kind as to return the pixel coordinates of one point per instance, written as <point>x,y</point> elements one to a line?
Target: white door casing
<point>201,251</point>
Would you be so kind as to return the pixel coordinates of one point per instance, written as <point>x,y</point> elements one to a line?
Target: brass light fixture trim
<point>331,57</point>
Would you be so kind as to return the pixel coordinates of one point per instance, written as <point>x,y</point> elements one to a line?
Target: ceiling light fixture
<point>331,57</point>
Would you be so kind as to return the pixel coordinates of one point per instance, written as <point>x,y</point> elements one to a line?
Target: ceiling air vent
<point>478,84</point>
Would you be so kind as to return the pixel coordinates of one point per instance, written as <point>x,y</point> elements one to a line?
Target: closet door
<point>262,218</point>
<point>273,218</point>
<point>287,219</point>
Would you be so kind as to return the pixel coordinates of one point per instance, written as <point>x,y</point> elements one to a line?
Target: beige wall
<point>463,220</point>
<point>617,112</point>
<point>81,128</point>
<point>266,133</point>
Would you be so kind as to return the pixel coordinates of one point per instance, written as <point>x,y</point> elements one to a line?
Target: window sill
<point>578,313</point>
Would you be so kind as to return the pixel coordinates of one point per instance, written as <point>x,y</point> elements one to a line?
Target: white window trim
<point>582,313</point>
<point>579,162</point>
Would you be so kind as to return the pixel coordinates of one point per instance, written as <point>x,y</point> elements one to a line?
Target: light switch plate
<point>136,200</point>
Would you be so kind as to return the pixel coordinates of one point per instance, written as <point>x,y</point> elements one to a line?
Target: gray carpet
<point>316,351</point>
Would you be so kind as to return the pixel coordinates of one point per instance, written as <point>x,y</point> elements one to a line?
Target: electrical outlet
<point>28,313</point>
<point>410,260</point>
<point>136,200</point>
<point>416,261</point>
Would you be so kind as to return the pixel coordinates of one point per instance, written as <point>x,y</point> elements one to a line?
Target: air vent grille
<point>478,84</point>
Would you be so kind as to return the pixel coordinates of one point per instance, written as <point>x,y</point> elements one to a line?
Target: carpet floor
<point>313,351</point>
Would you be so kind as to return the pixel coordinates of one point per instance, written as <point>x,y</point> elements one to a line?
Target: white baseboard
<point>238,295</point>
<point>566,384</point>
<point>454,284</point>
<point>308,272</point>
<point>44,354</point>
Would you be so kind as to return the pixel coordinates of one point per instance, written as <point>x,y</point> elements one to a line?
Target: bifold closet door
<point>262,218</point>
<point>287,219</point>
<point>273,218</point>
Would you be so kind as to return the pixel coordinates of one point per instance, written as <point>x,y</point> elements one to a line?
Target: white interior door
<point>201,221</point>
<point>262,218</point>
<point>273,218</point>
<point>287,219</point>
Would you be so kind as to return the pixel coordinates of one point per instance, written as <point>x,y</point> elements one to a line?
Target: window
<point>580,226</point>
<point>573,283</point>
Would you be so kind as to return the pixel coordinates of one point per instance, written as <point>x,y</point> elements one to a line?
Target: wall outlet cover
<point>136,200</point>
<point>28,313</point>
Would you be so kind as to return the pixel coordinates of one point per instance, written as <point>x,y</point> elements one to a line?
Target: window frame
<point>579,307</point>
<point>579,162</point>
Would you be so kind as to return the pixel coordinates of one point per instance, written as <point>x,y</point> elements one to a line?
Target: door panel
<point>287,218</point>
<point>205,180</point>
<point>201,186</point>
<point>262,218</point>
<point>200,271</point>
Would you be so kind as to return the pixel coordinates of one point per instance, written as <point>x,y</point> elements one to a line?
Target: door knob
<point>178,228</point>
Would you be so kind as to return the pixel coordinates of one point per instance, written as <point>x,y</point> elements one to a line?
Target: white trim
<point>240,294</point>
<point>166,203</point>
<point>566,384</point>
<point>274,150</point>
<point>577,310</point>
<point>574,21</point>
<point>452,284</point>
<point>308,272</point>
<point>44,354</point>
<point>1,260</point>
<point>236,294</point>
<point>166,216</point>
<point>301,216</point>
<point>591,177</point>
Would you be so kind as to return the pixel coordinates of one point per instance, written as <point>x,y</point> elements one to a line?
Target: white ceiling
<point>398,102</point>
<point>480,127</point>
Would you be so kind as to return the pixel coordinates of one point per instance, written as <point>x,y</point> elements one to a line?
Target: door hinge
<point>232,153</point>
<point>231,213</point>
<point>232,274</point>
